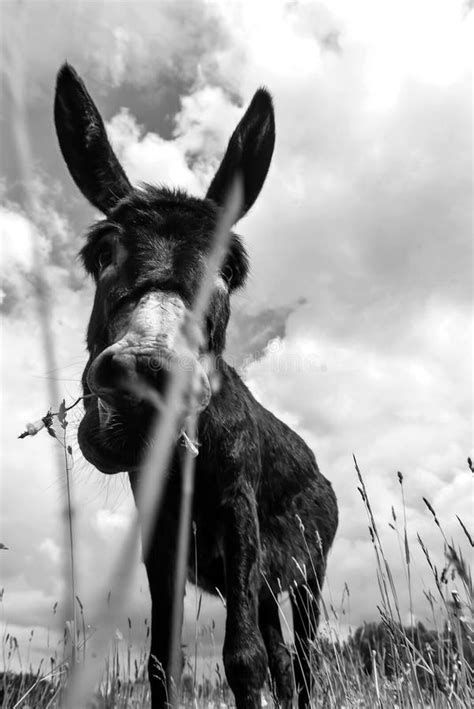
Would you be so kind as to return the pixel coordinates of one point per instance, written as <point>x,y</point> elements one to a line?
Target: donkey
<point>265,517</point>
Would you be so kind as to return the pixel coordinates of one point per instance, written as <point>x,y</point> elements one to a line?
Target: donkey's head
<point>147,258</point>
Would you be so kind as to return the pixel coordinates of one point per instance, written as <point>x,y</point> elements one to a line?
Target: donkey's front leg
<point>160,560</point>
<point>245,657</point>
<point>160,575</point>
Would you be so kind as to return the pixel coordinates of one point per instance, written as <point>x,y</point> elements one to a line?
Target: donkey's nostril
<point>116,372</point>
<point>121,369</point>
<point>112,370</point>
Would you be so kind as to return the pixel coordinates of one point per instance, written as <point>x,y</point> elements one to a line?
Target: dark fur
<point>264,513</point>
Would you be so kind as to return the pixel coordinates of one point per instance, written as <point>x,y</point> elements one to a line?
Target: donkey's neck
<point>213,421</point>
<point>228,398</point>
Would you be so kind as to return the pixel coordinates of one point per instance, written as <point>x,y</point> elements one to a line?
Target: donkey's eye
<point>227,273</point>
<point>105,256</point>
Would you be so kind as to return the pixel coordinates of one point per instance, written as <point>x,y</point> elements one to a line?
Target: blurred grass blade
<point>15,75</point>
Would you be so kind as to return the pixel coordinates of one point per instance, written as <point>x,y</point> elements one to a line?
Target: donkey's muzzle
<point>129,375</point>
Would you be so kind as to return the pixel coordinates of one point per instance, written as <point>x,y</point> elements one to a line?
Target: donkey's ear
<point>84,143</point>
<point>249,153</point>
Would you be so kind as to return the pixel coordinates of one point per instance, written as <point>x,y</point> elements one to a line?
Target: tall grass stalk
<point>341,677</point>
<point>15,75</point>
<point>181,560</point>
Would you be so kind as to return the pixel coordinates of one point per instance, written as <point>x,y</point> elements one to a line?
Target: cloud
<point>126,41</point>
<point>371,33</point>
<point>191,157</point>
<point>17,247</point>
<point>17,234</point>
<point>405,409</point>
<point>248,335</point>
<point>415,388</point>
<point>29,245</point>
<point>108,521</point>
<point>149,158</point>
<point>362,205</point>
<point>49,547</point>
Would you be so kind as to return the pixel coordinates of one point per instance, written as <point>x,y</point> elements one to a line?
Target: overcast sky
<point>356,324</point>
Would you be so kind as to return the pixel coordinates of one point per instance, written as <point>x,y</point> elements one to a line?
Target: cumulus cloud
<point>17,239</point>
<point>248,335</point>
<point>29,245</point>
<point>17,235</point>
<point>149,158</point>
<point>404,410</point>
<point>51,548</point>
<point>137,42</point>
<point>108,522</point>
<point>191,157</point>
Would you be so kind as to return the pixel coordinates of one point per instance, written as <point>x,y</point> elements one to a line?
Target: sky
<point>355,326</point>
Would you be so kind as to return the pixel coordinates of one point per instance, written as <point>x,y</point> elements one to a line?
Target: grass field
<point>381,664</point>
